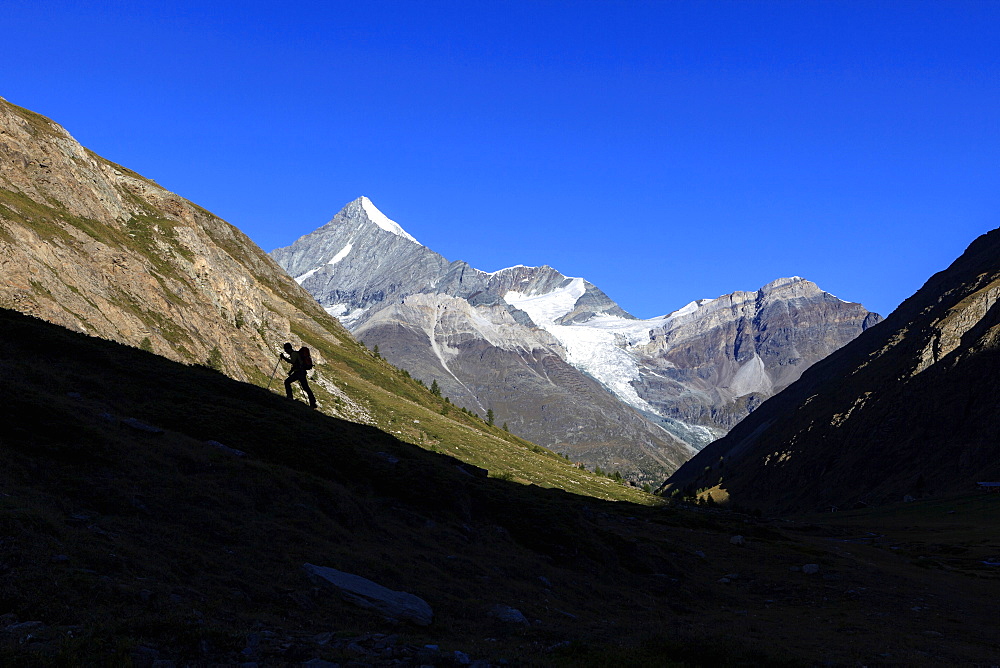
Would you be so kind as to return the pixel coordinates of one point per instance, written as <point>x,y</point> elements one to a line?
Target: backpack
<point>306,357</point>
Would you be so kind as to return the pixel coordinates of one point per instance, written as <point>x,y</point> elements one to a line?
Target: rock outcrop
<point>906,409</point>
<point>95,247</point>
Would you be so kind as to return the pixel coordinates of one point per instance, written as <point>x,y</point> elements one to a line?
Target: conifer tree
<point>489,416</point>
<point>435,390</point>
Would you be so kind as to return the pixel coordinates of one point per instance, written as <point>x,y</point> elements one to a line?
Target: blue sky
<point>665,151</point>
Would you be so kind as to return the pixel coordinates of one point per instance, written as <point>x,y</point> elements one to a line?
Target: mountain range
<point>558,360</point>
<point>161,505</point>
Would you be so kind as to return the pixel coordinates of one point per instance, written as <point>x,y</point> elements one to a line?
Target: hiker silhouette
<point>297,373</point>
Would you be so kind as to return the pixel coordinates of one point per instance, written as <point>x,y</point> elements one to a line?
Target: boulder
<point>505,613</point>
<point>368,594</point>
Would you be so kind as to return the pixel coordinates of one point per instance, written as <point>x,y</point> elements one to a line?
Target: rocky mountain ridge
<point>906,410</point>
<point>691,374</point>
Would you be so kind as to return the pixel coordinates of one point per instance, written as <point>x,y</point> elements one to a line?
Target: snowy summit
<point>383,221</point>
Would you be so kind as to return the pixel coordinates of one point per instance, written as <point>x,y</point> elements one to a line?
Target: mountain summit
<point>555,357</point>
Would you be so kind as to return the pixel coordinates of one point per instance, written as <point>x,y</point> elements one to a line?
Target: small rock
<point>505,613</point>
<point>737,540</point>
<point>225,448</point>
<point>392,459</point>
<point>461,658</point>
<point>323,638</point>
<point>74,395</point>
<point>699,553</point>
<point>723,580</point>
<point>320,663</point>
<point>810,569</point>
<point>59,558</point>
<point>253,644</point>
<point>139,425</point>
<point>24,627</point>
<point>545,581</point>
<point>933,634</point>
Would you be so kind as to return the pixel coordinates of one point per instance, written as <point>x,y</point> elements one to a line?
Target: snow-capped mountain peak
<point>383,221</point>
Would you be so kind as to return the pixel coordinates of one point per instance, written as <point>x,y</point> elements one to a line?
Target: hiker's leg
<point>288,386</point>
<point>309,393</point>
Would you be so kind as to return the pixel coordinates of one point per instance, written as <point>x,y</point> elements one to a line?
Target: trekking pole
<point>274,372</point>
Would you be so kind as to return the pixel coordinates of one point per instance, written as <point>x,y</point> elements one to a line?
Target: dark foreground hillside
<point>132,532</point>
<point>909,409</point>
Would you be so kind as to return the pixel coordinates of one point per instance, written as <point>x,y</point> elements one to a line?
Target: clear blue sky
<point>665,151</point>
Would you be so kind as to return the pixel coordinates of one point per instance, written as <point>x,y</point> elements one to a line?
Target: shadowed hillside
<point>132,529</point>
<point>907,410</point>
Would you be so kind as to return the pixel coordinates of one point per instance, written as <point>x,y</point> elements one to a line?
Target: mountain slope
<point>131,531</point>
<point>907,409</point>
<point>556,358</point>
<point>94,247</point>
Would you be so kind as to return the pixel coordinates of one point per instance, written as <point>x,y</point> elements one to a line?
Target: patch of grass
<point>43,220</point>
<point>37,124</point>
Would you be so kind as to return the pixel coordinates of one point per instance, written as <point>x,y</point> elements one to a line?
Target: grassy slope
<point>116,539</point>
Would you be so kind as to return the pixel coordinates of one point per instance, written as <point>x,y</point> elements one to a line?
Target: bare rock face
<point>906,409</point>
<point>554,357</point>
<point>715,364</point>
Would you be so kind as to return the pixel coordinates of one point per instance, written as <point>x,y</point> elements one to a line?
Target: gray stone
<point>368,594</point>
<point>139,425</point>
<point>737,540</point>
<point>810,569</point>
<point>505,613</point>
<point>225,448</point>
